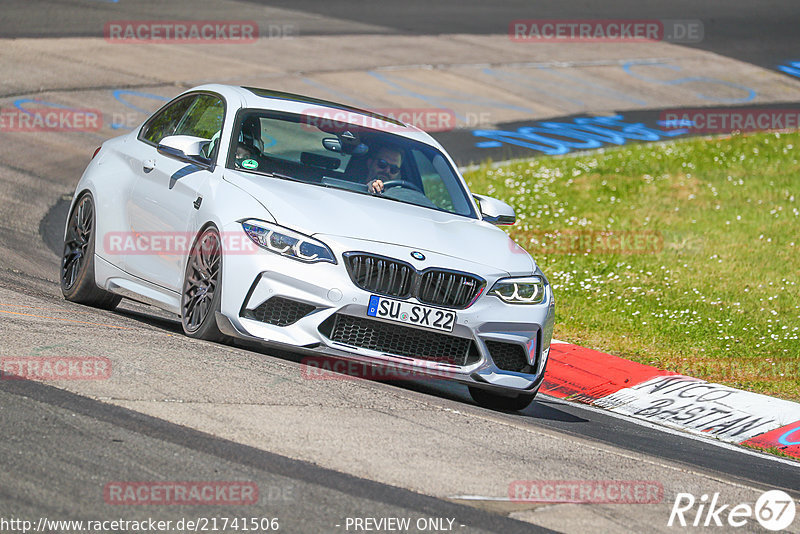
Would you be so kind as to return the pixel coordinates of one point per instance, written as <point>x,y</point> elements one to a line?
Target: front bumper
<point>250,280</point>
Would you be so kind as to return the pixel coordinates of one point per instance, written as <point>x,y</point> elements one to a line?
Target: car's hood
<point>317,210</point>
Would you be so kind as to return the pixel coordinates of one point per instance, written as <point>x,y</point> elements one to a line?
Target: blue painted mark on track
<point>792,68</point>
<point>441,101</point>
<point>594,88</point>
<point>530,82</point>
<point>750,93</point>
<point>21,101</point>
<point>582,133</point>
<point>676,123</point>
<point>120,94</point>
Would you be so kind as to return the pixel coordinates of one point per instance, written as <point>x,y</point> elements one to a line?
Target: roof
<point>280,95</point>
<point>256,98</point>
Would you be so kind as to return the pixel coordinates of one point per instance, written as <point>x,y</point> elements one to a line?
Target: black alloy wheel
<point>202,292</point>
<point>77,261</point>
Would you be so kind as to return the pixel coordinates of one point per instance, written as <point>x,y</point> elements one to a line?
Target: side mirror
<point>495,211</point>
<point>186,148</point>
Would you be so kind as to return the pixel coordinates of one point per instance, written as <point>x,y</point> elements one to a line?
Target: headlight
<point>287,242</point>
<point>527,290</point>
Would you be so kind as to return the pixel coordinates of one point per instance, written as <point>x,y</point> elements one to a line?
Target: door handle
<point>148,165</point>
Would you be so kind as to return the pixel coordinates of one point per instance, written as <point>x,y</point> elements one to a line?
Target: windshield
<point>346,156</point>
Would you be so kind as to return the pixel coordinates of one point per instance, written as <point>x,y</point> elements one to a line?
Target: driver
<point>244,152</point>
<point>383,167</point>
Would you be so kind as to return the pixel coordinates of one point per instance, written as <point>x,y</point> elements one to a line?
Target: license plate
<point>413,314</point>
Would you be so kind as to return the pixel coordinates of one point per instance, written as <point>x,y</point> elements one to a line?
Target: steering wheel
<point>402,183</point>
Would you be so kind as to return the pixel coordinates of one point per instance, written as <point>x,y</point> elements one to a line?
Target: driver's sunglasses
<point>383,164</point>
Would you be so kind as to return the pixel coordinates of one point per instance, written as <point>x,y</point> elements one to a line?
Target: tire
<point>202,288</point>
<point>77,260</point>
<point>497,402</point>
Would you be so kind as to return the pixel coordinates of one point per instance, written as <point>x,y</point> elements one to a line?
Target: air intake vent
<point>508,356</point>
<point>280,311</point>
<point>399,340</point>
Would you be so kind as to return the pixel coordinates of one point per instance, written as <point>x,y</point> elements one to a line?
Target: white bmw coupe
<point>316,227</point>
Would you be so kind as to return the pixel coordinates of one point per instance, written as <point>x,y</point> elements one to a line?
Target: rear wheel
<point>77,261</point>
<point>494,401</point>
<point>201,295</point>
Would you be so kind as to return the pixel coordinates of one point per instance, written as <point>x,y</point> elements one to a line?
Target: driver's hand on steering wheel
<point>375,186</point>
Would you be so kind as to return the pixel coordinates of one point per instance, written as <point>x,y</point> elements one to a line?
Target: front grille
<point>445,288</point>
<point>395,278</point>
<point>280,311</point>
<point>508,356</point>
<point>399,340</point>
<point>380,275</point>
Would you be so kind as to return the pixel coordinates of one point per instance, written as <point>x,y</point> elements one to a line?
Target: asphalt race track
<point>323,451</point>
<point>763,35</point>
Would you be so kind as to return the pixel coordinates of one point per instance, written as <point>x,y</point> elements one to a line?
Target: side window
<point>166,121</point>
<point>203,118</point>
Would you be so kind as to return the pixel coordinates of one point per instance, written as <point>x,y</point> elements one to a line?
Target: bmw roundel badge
<point>418,255</point>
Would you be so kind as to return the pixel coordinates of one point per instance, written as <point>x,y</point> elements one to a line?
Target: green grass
<point>771,450</point>
<point>718,298</point>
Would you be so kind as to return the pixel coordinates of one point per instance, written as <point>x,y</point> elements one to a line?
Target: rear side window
<point>203,118</point>
<point>165,122</point>
<point>197,115</point>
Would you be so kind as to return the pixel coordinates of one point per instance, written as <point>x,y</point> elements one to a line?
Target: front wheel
<point>202,291</point>
<point>77,260</point>
<point>494,401</point>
